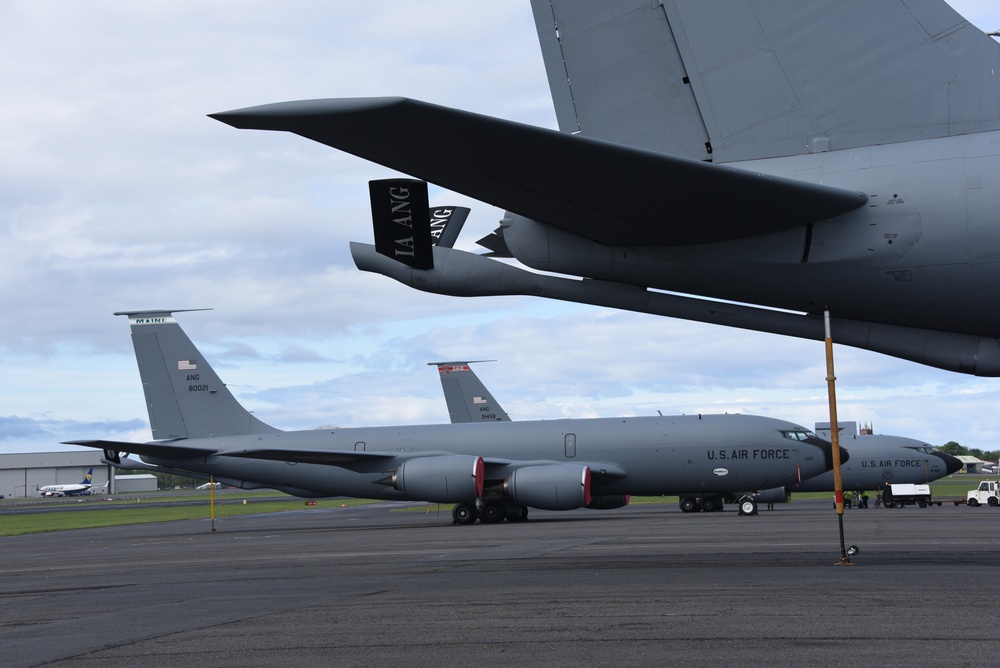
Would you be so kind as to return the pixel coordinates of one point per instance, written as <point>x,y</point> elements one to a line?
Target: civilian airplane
<point>82,487</point>
<point>785,158</point>
<point>492,471</point>
<point>875,459</point>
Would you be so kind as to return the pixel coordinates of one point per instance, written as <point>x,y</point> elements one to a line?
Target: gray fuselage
<point>635,456</point>
<point>924,252</point>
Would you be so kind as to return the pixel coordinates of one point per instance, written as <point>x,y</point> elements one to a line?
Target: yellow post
<point>838,482</point>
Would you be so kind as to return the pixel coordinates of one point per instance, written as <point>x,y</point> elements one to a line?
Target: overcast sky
<point>117,192</point>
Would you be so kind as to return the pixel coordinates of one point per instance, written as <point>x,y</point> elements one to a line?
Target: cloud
<point>118,192</point>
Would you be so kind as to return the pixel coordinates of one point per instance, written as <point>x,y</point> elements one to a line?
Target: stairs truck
<point>987,493</point>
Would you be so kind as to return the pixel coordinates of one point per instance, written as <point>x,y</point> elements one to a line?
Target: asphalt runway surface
<point>643,585</point>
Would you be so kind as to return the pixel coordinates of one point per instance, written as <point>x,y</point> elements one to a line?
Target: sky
<point>117,192</point>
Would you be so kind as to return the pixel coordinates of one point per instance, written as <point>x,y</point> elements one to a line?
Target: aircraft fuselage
<point>924,252</point>
<point>637,456</point>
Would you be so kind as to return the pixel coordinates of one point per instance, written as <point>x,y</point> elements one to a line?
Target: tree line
<point>956,449</point>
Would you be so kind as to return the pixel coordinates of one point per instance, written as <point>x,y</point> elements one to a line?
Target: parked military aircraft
<point>492,471</point>
<point>837,154</point>
<point>876,459</point>
<point>81,487</point>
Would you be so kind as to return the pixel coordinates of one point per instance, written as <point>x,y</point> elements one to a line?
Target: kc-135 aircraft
<point>876,459</point>
<point>791,157</point>
<point>492,471</point>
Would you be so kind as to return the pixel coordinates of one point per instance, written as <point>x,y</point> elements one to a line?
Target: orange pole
<point>838,482</point>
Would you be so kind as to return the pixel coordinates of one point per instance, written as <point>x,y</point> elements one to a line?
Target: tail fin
<point>89,478</point>
<point>468,399</point>
<point>750,79</point>
<point>184,396</point>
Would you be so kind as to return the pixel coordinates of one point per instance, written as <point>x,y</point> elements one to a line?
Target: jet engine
<point>550,486</point>
<point>441,478</point>
<point>773,495</point>
<point>608,502</point>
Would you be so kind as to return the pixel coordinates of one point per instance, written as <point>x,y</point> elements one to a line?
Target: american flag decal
<point>186,365</point>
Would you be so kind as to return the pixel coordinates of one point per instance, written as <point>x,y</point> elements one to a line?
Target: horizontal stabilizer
<point>612,194</point>
<point>159,450</point>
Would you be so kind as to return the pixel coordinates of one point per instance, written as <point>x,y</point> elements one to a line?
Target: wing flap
<point>612,194</point>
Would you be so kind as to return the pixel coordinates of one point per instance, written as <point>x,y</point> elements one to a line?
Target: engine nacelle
<point>608,501</point>
<point>440,478</point>
<point>550,486</point>
<point>773,495</point>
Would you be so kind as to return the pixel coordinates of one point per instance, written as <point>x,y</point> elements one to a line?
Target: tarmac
<point>377,586</point>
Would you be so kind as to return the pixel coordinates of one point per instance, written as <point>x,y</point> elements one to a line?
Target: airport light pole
<point>838,481</point>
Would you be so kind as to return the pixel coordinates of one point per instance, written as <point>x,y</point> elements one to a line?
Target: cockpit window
<point>798,434</point>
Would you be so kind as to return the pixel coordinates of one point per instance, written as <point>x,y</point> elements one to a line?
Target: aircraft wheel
<point>711,504</point>
<point>688,505</point>
<point>464,513</point>
<point>492,512</point>
<point>748,507</point>
<point>973,503</point>
<point>993,501</point>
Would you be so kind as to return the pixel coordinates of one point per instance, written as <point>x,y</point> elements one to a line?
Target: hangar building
<point>21,474</point>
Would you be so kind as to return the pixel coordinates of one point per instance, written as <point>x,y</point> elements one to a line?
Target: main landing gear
<point>711,504</point>
<point>488,512</point>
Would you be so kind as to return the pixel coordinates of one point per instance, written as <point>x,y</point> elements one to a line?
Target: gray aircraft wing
<point>612,194</point>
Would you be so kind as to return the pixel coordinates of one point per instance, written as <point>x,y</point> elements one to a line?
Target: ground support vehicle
<point>897,496</point>
<point>987,493</point>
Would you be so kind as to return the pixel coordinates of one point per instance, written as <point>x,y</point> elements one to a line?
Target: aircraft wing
<point>609,193</point>
<point>314,456</point>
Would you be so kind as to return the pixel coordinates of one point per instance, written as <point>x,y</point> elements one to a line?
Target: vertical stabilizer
<point>184,396</point>
<point>468,399</point>
<point>733,80</point>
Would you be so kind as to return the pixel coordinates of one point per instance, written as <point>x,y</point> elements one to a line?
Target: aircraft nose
<point>953,464</point>
<point>827,449</point>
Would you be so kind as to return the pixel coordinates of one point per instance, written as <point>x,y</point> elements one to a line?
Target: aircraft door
<point>359,446</point>
<point>570,446</point>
